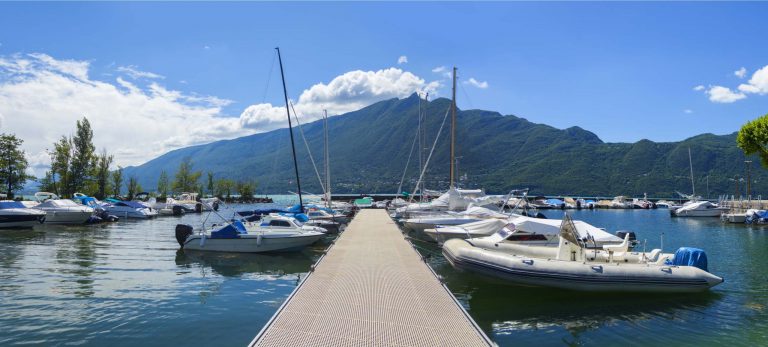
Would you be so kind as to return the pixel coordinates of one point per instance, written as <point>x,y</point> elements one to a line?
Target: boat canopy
<point>552,227</point>
<point>11,204</point>
<point>483,227</point>
<point>133,204</point>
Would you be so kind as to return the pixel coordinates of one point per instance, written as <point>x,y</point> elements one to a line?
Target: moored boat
<point>13,214</point>
<point>575,266</point>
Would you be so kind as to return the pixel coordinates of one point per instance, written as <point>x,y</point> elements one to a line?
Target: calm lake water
<point>127,283</point>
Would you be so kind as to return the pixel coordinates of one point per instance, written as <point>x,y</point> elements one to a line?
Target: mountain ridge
<point>369,148</point>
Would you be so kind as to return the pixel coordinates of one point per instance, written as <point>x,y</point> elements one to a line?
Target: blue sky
<point>625,71</point>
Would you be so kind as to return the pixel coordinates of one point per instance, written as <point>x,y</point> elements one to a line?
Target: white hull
<point>251,243</point>
<point>713,212</point>
<point>577,275</point>
<point>66,217</point>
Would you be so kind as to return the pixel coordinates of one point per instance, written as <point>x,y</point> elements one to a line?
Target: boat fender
<point>258,240</point>
<point>182,233</point>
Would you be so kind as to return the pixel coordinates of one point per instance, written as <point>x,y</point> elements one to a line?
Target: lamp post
<point>749,187</point>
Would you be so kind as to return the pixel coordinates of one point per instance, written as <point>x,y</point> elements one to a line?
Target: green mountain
<point>369,149</point>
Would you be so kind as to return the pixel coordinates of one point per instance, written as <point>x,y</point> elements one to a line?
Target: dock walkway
<point>371,289</point>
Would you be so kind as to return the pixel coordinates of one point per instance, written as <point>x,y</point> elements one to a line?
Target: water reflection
<point>238,264</point>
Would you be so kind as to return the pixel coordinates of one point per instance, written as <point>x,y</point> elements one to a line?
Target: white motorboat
<point>13,214</point>
<point>272,234</point>
<point>522,230</point>
<point>621,202</point>
<point>130,209</point>
<point>453,200</point>
<point>320,214</point>
<point>699,209</point>
<point>62,211</point>
<point>573,265</point>
<point>450,218</point>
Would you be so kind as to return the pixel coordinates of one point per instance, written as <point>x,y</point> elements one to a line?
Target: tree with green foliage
<point>186,179</point>
<point>13,164</point>
<point>61,158</point>
<point>224,188</point>
<point>133,187</point>
<point>246,189</point>
<point>162,184</point>
<point>753,138</point>
<point>117,181</point>
<point>75,164</point>
<point>102,174</point>
<point>210,183</point>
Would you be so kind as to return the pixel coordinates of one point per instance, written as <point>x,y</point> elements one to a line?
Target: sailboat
<point>273,233</point>
<point>455,199</point>
<point>695,207</point>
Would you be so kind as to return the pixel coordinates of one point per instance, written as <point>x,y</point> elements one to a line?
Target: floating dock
<point>371,289</point>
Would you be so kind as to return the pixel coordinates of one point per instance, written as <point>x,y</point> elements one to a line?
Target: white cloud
<point>135,73</point>
<point>402,60</point>
<point>698,88</point>
<point>740,73</point>
<point>473,82</point>
<point>688,111</point>
<point>439,69</point>
<point>138,122</point>
<point>206,47</point>
<point>724,95</point>
<point>758,84</point>
<point>348,92</point>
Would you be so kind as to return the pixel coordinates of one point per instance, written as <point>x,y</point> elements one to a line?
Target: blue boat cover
<point>11,204</point>
<point>133,204</point>
<point>555,202</point>
<point>689,256</point>
<point>229,231</point>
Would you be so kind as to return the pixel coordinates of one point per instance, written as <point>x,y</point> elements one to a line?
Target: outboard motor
<point>215,205</point>
<point>178,210</point>
<point>182,232</point>
<point>199,207</point>
<point>94,220</point>
<point>623,233</point>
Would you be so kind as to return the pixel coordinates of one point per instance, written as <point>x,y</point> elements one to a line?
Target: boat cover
<point>483,227</point>
<point>11,204</point>
<point>482,212</point>
<point>556,202</point>
<point>552,227</point>
<point>133,204</point>
<point>59,203</point>
<point>689,256</point>
<point>230,231</point>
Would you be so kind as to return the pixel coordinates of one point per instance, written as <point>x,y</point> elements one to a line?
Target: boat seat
<point>654,254</point>
<point>620,248</point>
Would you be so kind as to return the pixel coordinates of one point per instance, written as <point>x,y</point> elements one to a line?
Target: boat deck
<point>371,289</point>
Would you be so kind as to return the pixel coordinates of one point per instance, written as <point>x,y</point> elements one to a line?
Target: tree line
<point>77,167</point>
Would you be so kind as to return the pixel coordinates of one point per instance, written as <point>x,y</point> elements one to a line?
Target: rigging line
<point>301,131</point>
<point>269,78</point>
<point>410,154</point>
<point>432,150</point>
<point>469,100</point>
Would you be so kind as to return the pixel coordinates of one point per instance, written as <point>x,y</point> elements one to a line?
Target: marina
<point>127,282</point>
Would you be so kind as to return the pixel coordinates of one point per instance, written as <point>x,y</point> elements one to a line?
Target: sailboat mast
<point>418,135</point>
<point>423,144</point>
<point>690,161</point>
<point>453,129</point>
<point>290,130</point>
<point>327,162</point>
